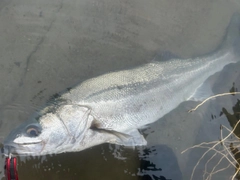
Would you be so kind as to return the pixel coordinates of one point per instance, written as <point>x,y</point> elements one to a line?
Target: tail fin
<point>232,37</point>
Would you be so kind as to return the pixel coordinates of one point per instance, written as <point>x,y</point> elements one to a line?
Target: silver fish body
<point>112,107</point>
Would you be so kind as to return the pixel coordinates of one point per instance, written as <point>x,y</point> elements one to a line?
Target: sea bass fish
<point>111,108</point>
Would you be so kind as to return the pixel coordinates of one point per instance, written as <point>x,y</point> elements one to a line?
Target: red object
<point>11,168</point>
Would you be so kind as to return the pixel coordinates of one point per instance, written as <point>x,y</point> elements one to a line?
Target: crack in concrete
<point>37,47</point>
<point>29,57</point>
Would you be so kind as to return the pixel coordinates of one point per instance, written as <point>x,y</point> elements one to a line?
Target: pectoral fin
<point>131,138</point>
<point>128,138</point>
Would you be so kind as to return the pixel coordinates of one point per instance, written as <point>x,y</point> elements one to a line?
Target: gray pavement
<point>48,46</point>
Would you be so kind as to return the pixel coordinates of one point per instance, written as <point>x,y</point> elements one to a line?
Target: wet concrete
<point>48,46</point>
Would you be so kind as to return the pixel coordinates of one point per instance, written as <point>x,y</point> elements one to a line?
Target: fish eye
<point>32,132</point>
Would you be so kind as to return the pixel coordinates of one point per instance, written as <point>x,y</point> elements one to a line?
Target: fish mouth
<point>8,149</point>
<point>15,149</point>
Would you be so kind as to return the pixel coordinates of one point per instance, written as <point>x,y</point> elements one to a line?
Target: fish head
<point>23,139</point>
<point>51,133</point>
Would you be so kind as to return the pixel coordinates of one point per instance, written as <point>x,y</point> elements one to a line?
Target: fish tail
<point>232,38</point>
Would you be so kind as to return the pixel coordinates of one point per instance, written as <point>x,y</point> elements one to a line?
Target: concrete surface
<point>48,46</point>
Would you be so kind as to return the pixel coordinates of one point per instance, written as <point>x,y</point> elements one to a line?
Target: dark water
<point>99,163</point>
<point>48,46</point>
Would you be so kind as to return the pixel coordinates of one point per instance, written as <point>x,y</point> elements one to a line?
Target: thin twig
<point>218,95</point>
<point>224,153</point>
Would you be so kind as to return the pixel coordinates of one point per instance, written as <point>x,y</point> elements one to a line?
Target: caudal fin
<point>232,37</point>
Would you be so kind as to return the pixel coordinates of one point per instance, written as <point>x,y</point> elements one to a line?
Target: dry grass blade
<point>212,97</point>
<point>214,146</point>
<point>223,148</point>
